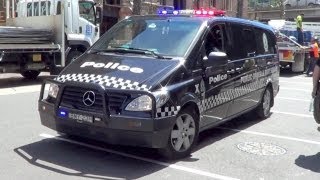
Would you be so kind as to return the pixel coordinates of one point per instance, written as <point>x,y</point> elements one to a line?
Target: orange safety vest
<point>315,49</point>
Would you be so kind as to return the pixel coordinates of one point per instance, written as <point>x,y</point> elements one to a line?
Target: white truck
<point>291,53</point>
<point>25,45</point>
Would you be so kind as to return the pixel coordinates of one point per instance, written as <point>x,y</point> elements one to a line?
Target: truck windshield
<point>86,10</point>
<point>163,36</point>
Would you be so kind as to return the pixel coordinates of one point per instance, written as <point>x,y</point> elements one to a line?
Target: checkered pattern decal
<point>167,111</point>
<point>223,97</point>
<point>103,80</point>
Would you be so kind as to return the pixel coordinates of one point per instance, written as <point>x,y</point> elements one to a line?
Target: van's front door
<point>216,79</point>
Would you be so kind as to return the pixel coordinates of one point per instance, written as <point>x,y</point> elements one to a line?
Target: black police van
<point>159,80</point>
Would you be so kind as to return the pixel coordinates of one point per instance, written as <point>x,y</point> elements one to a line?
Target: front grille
<point>116,102</point>
<point>72,97</point>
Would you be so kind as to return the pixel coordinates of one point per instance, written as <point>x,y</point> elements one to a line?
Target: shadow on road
<point>75,160</point>
<point>288,73</point>
<point>13,80</point>
<point>309,162</point>
<point>213,135</point>
<point>79,161</point>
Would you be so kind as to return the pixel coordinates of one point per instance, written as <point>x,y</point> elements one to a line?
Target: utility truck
<point>291,53</point>
<point>46,35</point>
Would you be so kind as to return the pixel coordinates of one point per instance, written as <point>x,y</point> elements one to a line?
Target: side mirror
<point>99,15</point>
<point>216,59</point>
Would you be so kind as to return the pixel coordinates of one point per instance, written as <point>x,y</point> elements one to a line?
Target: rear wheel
<point>183,135</point>
<point>30,74</point>
<point>263,110</point>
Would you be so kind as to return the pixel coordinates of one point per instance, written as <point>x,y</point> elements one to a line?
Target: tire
<point>30,74</point>
<point>316,109</point>
<point>263,110</point>
<point>72,55</point>
<point>183,135</point>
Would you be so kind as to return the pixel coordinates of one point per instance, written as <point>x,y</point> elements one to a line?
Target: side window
<point>29,9</point>
<point>59,8</point>
<point>243,42</point>
<point>265,42</point>
<point>215,40</point>
<point>36,8</point>
<point>44,8</point>
<point>249,38</point>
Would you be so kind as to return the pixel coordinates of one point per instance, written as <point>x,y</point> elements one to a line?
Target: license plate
<point>80,117</point>
<point>36,57</point>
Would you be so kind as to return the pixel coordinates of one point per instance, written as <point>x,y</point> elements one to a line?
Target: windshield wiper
<point>146,51</point>
<point>130,50</point>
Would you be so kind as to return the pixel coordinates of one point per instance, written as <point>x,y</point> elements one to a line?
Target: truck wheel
<point>183,135</point>
<point>72,55</point>
<point>30,74</point>
<point>263,110</point>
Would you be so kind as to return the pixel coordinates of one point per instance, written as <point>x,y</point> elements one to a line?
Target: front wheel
<point>30,74</point>
<point>263,110</point>
<point>183,135</point>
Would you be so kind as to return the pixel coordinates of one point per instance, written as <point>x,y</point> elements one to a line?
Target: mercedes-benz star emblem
<point>89,98</point>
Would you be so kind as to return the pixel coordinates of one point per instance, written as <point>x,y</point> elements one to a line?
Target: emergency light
<point>200,12</point>
<point>62,113</point>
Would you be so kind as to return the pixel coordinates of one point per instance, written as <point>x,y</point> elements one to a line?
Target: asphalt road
<point>284,146</point>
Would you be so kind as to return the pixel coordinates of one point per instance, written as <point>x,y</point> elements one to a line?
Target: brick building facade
<point>2,12</point>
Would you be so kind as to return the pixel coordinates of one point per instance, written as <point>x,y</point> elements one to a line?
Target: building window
<point>114,2</point>
<point>212,3</point>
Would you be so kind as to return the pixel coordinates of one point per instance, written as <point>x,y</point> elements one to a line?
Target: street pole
<point>239,8</point>
<point>136,7</point>
<point>8,8</point>
<point>282,10</point>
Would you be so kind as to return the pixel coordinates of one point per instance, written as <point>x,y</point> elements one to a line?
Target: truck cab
<point>42,35</point>
<point>80,18</point>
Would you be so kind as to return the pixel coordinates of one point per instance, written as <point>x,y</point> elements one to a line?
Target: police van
<point>159,80</point>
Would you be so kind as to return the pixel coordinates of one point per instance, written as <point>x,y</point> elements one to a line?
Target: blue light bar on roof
<point>201,12</point>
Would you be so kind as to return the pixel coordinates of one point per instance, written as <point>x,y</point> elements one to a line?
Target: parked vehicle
<point>159,80</point>
<point>69,28</point>
<point>301,3</point>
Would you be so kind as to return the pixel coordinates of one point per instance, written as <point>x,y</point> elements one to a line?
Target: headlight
<point>53,90</point>
<point>142,103</point>
<point>161,97</point>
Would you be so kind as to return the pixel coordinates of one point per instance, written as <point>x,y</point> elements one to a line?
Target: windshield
<point>86,10</point>
<point>164,36</point>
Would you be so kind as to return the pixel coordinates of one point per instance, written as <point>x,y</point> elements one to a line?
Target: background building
<point>2,12</point>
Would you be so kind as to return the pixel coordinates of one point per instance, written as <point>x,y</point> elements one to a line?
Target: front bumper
<point>132,131</point>
<point>122,129</point>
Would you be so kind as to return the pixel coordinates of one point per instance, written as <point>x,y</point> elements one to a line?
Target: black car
<point>159,80</point>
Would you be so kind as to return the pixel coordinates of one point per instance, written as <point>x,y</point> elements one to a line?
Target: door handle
<point>231,71</point>
<point>239,69</point>
<point>251,54</point>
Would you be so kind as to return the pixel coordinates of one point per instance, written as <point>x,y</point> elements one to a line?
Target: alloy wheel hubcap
<point>183,132</point>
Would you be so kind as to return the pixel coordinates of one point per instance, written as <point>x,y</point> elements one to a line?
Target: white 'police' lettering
<point>111,65</point>
<point>218,78</point>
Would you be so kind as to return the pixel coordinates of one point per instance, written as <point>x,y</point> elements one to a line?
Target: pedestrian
<point>314,55</point>
<point>316,93</point>
<point>299,20</point>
